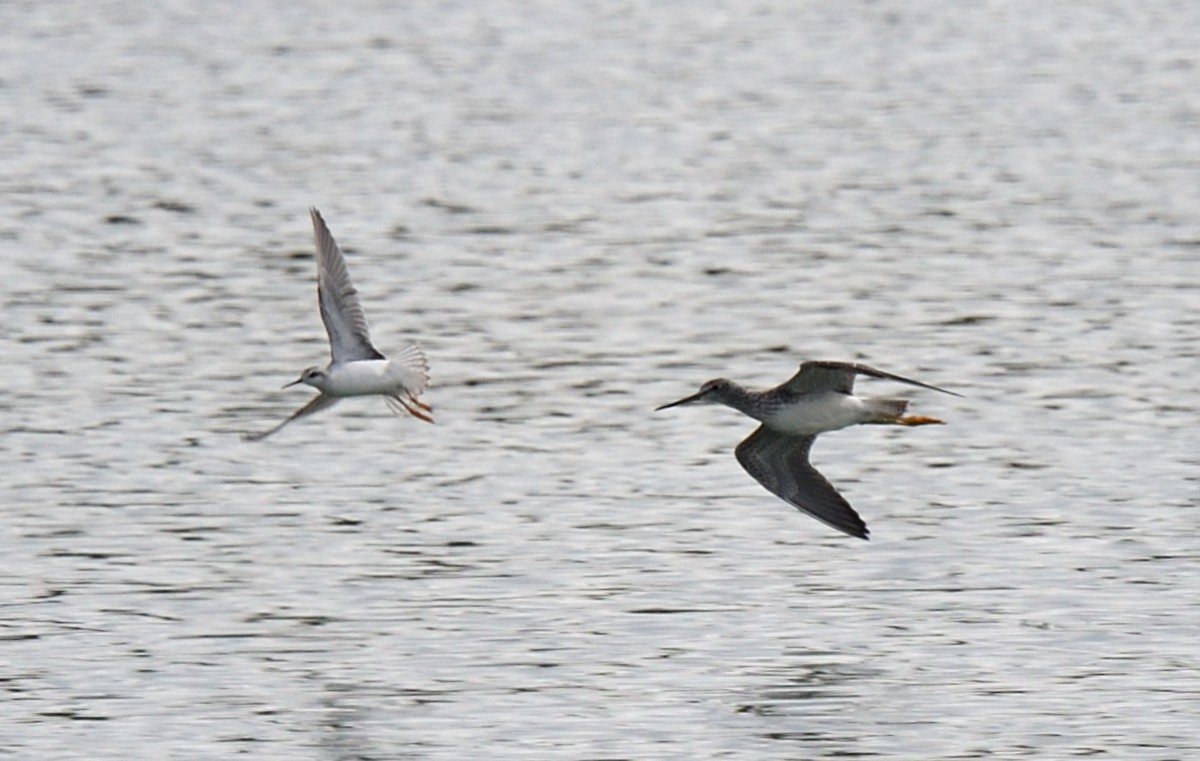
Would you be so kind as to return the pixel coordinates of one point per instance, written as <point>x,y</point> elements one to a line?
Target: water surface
<point>581,212</point>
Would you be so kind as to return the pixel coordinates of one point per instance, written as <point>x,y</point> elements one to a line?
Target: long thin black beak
<point>685,400</point>
<point>289,385</point>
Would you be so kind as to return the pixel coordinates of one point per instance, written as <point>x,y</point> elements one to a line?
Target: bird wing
<point>839,376</point>
<point>318,403</point>
<point>345,322</point>
<point>824,376</point>
<point>780,463</point>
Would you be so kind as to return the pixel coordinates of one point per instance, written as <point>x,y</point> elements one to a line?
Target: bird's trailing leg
<point>419,403</point>
<point>891,412</point>
<point>410,404</point>
<point>919,420</point>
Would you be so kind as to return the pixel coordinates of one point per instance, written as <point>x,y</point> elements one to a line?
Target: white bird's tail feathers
<point>410,368</point>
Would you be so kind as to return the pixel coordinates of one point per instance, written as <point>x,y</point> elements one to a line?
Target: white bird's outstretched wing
<point>318,403</point>
<point>345,321</point>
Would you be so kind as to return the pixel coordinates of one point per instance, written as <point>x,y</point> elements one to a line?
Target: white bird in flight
<point>356,367</point>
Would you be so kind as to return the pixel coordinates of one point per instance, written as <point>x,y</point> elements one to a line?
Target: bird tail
<point>891,412</point>
<point>411,369</point>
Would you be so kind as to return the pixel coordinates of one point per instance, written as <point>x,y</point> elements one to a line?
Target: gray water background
<point>581,211</point>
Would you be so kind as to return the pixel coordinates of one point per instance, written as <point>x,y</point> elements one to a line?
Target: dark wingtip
<point>855,526</point>
<point>858,532</point>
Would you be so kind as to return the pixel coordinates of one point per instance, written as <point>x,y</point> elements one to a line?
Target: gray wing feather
<point>780,463</point>
<point>343,315</point>
<point>823,376</point>
<point>839,376</point>
<point>318,403</point>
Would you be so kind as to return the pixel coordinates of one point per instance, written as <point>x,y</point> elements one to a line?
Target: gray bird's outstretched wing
<point>780,463</point>
<point>820,375</point>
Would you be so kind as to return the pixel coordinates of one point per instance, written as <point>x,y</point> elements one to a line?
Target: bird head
<point>711,392</point>
<point>313,376</point>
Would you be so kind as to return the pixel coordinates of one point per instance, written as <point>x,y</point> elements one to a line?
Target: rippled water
<point>582,211</point>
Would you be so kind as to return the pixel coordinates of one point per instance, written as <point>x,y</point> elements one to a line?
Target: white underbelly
<point>817,414</point>
<point>368,376</point>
